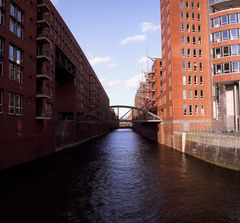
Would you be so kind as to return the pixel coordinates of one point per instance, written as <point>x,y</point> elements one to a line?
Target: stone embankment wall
<point>219,149</point>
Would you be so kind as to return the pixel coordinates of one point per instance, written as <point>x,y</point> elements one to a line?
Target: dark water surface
<point>121,177</point>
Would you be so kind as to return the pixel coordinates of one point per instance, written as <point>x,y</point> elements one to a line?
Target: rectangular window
<point>199,28</point>
<point>15,64</point>
<point>201,66</point>
<point>15,103</point>
<point>235,67</point>
<point>201,94</point>
<point>216,37</point>
<point>196,109</point>
<point>184,94</point>
<point>225,35</point>
<point>217,69</point>
<point>200,53</point>
<point>226,51</point>
<point>182,27</point>
<point>193,16</point>
<point>183,52</point>
<point>202,110</point>
<point>189,79</point>
<point>184,79</point>
<point>216,22</point>
<point>187,15</point>
<point>16,20</point>
<point>194,53</point>
<point>226,68</point>
<point>183,65</point>
<point>233,18</point>
<point>199,17</point>
<point>190,109</point>
<point>188,40</point>
<point>194,40</point>
<point>190,93</point>
<point>195,80</point>
<point>189,52</point>
<point>201,79</point>
<point>184,109</point>
<point>234,34</point>
<point>181,15</point>
<point>187,5</point>
<point>193,28</point>
<point>182,40</point>
<point>195,93</point>
<point>195,66</point>
<point>217,53</point>
<point>224,20</point>
<point>189,65</point>
<point>192,5</point>
<point>1,101</point>
<point>1,57</point>
<point>200,40</point>
<point>234,50</point>
<point>188,28</point>
<point>1,12</point>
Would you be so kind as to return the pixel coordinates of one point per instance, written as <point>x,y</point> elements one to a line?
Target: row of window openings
<point>188,4</point>
<point>189,66</point>
<point>16,20</point>
<point>190,109</point>
<point>225,68</point>
<point>229,34</point>
<point>225,20</point>
<point>188,28</point>
<point>191,80</point>
<point>190,94</point>
<point>194,40</point>
<point>225,51</point>
<point>194,52</point>
<point>187,16</point>
<point>15,103</point>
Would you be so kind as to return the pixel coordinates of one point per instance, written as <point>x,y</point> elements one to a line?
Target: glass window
<point>233,18</point>
<point>201,94</point>
<point>188,40</point>
<point>235,67</point>
<point>184,94</point>
<point>224,20</point>
<point>199,17</point>
<point>187,5</point>
<point>184,79</point>
<point>200,53</point>
<point>193,16</point>
<point>226,68</point>
<point>194,40</point>
<point>198,5</point>
<point>190,109</point>
<point>195,80</point>
<point>193,28</point>
<point>184,109</point>
<point>225,35</point>
<point>1,12</point>
<point>182,40</point>
<point>216,37</point>
<point>199,28</point>
<point>189,65</point>
<point>15,103</point>
<point>183,65</point>
<point>233,33</point>
<point>216,22</point>
<point>188,28</point>
<point>16,20</point>
<point>190,93</point>
<point>201,79</point>
<point>189,52</point>
<point>226,51</point>
<point>187,15</point>
<point>194,53</point>
<point>234,50</point>
<point>182,27</point>
<point>183,52</point>
<point>196,109</point>
<point>201,66</point>
<point>1,57</point>
<point>217,53</point>
<point>189,79</point>
<point>195,93</point>
<point>200,40</point>
<point>202,110</point>
<point>192,5</point>
<point>181,15</point>
<point>217,69</point>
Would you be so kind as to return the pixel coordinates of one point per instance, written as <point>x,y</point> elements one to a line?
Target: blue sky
<point>116,36</point>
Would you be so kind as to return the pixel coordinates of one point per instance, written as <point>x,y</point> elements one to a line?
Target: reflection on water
<point>121,177</point>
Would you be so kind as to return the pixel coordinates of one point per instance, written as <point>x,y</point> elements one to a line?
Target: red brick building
<point>46,83</point>
<point>225,50</point>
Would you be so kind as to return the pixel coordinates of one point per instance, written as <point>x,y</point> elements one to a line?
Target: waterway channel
<point>120,177</point>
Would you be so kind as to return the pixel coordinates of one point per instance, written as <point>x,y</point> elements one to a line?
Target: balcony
<point>43,93</point>
<point>43,7</point>
<point>44,39</point>
<point>43,75</point>
<point>151,80</point>
<point>43,115</point>
<point>43,22</point>
<point>224,4</point>
<point>43,55</point>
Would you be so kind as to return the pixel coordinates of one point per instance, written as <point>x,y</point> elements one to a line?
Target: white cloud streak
<point>136,38</point>
<point>113,65</point>
<point>100,59</point>
<point>149,27</point>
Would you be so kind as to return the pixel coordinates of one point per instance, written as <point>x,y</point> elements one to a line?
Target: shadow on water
<point>121,177</point>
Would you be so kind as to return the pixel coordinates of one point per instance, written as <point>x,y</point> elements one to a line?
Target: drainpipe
<point>236,105</point>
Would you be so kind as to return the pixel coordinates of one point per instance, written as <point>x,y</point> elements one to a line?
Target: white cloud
<point>99,59</point>
<point>143,60</point>
<point>149,27</point>
<point>132,82</point>
<point>136,38</point>
<point>113,83</point>
<point>113,65</point>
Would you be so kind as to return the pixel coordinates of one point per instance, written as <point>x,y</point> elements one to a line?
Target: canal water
<point>121,177</point>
